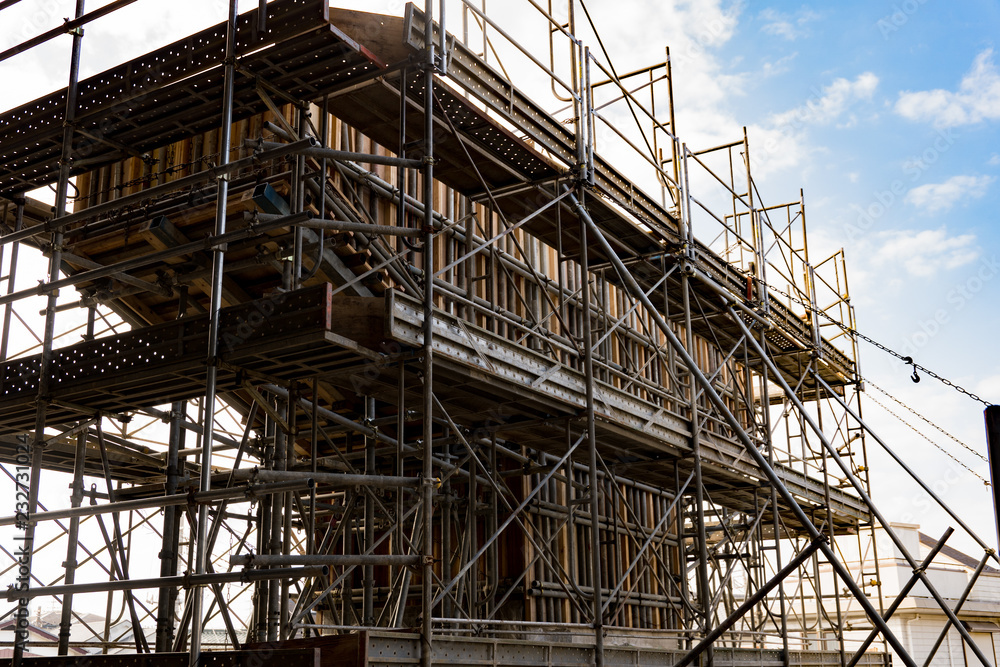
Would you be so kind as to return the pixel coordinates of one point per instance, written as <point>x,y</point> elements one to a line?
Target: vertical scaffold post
<point>76,499</point>
<point>595,506</point>
<point>369,570</point>
<point>274,595</point>
<point>215,305</point>
<point>704,596</point>
<point>171,532</point>
<point>775,516</point>
<point>992,415</point>
<point>713,396</point>
<point>8,308</point>
<point>701,534</point>
<point>427,490</point>
<point>45,367</point>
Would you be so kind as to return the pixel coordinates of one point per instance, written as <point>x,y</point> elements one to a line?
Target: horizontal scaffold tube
<point>332,154</point>
<point>335,479</point>
<point>344,225</point>
<point>253,230</point>
<point>182,580</point>
<point>348,424</point>
<point>751,449</point>
<point>352,425</point>
<point>362,227</point>
<point>210,174</point>
<point>247,492</point>
<point>331,560</point>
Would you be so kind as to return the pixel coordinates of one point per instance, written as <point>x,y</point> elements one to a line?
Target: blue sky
<point>886,113</point>
<point>896,113</point>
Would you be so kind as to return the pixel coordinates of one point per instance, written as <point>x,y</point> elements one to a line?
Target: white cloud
<point>829,104</point>
<point>938,197</point>
<point>994,160</point>
<point>779,66</point>
<point>977,98</point>
<point>926,252</point>
<point>786,26</point>
<point>775,148</point>
<point>989,387</point>
<point>635,35</point>
<point>781,142</point>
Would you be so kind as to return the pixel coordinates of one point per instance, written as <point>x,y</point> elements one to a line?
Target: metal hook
<point>914,377</point>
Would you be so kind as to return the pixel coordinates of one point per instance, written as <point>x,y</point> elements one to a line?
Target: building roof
<point>34,629</point>
<point>955,554</point>
<point>54,618</point>
<point>38,632</point>
<point>9,653</point>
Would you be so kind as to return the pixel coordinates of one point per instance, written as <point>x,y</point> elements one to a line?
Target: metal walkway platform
<point>362,87</point>
<point>286,336</point>
<point>304,334</point>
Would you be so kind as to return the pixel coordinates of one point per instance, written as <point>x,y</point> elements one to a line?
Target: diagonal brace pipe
<point>902,595</point>
<point>741,434</point>
<point>857,486</point>
<point>817,543</point>
<point>958,607</point>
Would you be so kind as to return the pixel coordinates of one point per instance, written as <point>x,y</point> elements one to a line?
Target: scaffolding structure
<point>392,365</point>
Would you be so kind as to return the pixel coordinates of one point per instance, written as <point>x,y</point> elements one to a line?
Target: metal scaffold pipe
<point>596,572</point>
<point>427,492</point>
<point>70,26</point>
<point>209,174</point>
<point>331,154</point>
<point>215,306</point>
<point>76,499</point>
<point>901,596</point>
<point>719,630</point>
<point>330,560</point>
<point>344,225</point>
<point>990,551</point>
<point>169,556</point>
<point>740,432</point>
<point>336,479</point>
<point>182,581</point>
<point>46,362</point>
<point>246,493</point>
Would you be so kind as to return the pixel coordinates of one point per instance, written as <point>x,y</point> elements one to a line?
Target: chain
<point>925,419</point>
<point>872,341</point>
<point>939,447</point>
